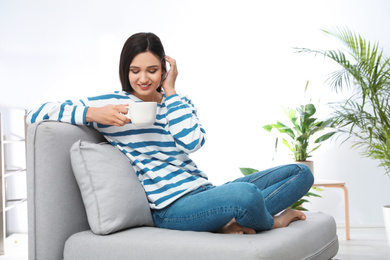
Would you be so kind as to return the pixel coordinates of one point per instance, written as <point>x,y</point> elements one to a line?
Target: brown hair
<point>136,44</point>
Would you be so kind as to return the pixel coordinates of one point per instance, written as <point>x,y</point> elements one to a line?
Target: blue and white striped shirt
<point>158,153</point>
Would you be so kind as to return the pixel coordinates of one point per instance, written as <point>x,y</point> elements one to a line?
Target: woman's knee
<point>304,168</point>
<point>306,173</point>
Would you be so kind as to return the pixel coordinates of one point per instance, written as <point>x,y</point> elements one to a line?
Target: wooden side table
<point>341,185</point>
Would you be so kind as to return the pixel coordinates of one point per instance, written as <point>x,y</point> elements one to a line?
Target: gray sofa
<point>59,226</point>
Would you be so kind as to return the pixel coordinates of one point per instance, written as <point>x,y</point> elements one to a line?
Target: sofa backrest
<point>55,208</point>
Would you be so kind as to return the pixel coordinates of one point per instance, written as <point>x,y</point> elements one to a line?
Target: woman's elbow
<point>190,147</point>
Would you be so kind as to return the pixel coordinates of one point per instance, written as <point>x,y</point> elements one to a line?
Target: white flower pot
<point>386,216</point>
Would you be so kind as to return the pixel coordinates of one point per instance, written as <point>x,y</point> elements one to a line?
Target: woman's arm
<point>182,119</point>
<point>68,111</point>
<point>102,109</point>
<point>184,124</point>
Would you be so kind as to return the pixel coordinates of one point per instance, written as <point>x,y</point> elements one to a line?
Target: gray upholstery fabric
<point>56,215</point>
<point>112,194</point>
<point>314,238</point>
<point>55,208</point>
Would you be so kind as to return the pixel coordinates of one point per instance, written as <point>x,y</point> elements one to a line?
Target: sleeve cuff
<point>80,116</point>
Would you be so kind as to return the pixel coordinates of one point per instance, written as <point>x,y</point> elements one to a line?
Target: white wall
<point>235,60</point>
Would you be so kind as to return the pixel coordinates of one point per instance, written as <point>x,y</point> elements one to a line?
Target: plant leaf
<point>311,194</point>
<point>316,188</point>
<point>268,127</point>
<point>248,171</point>
<point>324,137</point>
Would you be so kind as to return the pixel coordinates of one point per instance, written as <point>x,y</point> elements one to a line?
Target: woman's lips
<point>144,87</point>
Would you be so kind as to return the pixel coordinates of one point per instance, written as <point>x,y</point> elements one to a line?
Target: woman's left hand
<point>169,83</point>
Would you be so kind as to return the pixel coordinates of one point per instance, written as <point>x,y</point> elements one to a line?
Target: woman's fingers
<point>169,83</point>
<point>122,119</point>
<point>173,65</point>
<point>108,115</point>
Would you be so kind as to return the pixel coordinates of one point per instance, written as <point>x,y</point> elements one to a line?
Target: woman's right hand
<point>108,115</point>
<point>169,83</point>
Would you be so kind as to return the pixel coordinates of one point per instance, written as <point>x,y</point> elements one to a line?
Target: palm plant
<point>366,114</point>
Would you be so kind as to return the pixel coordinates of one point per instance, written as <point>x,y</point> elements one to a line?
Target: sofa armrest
<point>55,208</point>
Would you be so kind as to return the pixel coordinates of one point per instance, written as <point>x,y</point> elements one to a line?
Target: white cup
<point>142,113</point>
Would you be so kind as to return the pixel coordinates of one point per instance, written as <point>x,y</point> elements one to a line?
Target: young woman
<point>179,194</point>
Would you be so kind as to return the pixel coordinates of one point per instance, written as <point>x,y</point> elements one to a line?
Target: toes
<point>301,215</point>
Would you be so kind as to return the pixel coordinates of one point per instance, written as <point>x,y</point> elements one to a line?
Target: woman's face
<point>145,75</point>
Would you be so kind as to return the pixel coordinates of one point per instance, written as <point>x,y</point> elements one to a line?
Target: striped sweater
<point>158,153</point>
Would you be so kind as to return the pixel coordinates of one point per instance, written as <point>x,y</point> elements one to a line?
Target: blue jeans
<point>252,200</point>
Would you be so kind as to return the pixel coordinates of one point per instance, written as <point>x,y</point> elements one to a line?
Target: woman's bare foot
<point>234,228</point>
<point>288,216</point>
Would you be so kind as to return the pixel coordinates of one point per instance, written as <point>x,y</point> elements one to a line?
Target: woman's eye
<point>152,71</point>
<point>134,71</point>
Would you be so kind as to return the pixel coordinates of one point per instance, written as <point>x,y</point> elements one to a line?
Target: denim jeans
<point>252,200</point>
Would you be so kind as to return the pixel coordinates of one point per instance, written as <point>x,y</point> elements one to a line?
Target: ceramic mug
<point>142,113</point>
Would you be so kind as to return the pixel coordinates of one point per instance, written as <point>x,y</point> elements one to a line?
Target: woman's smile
<point>144,87</point>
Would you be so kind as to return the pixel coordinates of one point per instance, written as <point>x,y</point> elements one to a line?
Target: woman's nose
<point>143,78</point>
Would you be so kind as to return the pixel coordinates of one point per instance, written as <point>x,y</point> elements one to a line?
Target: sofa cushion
<point>312,239</point>
<point>114,198</point>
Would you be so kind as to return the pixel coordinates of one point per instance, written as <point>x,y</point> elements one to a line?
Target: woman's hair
<point>136,44</point>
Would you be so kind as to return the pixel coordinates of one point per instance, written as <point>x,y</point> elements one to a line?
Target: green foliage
<point>303,127</point>
<point>297,205</point>
<point>365,115</point>
<point>248,171</point>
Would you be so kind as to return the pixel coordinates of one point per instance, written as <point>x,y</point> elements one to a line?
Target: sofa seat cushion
<point>314,238</point>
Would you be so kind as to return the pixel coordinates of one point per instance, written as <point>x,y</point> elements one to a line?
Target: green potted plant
<point>365,115</point>
<point>302,126</point>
